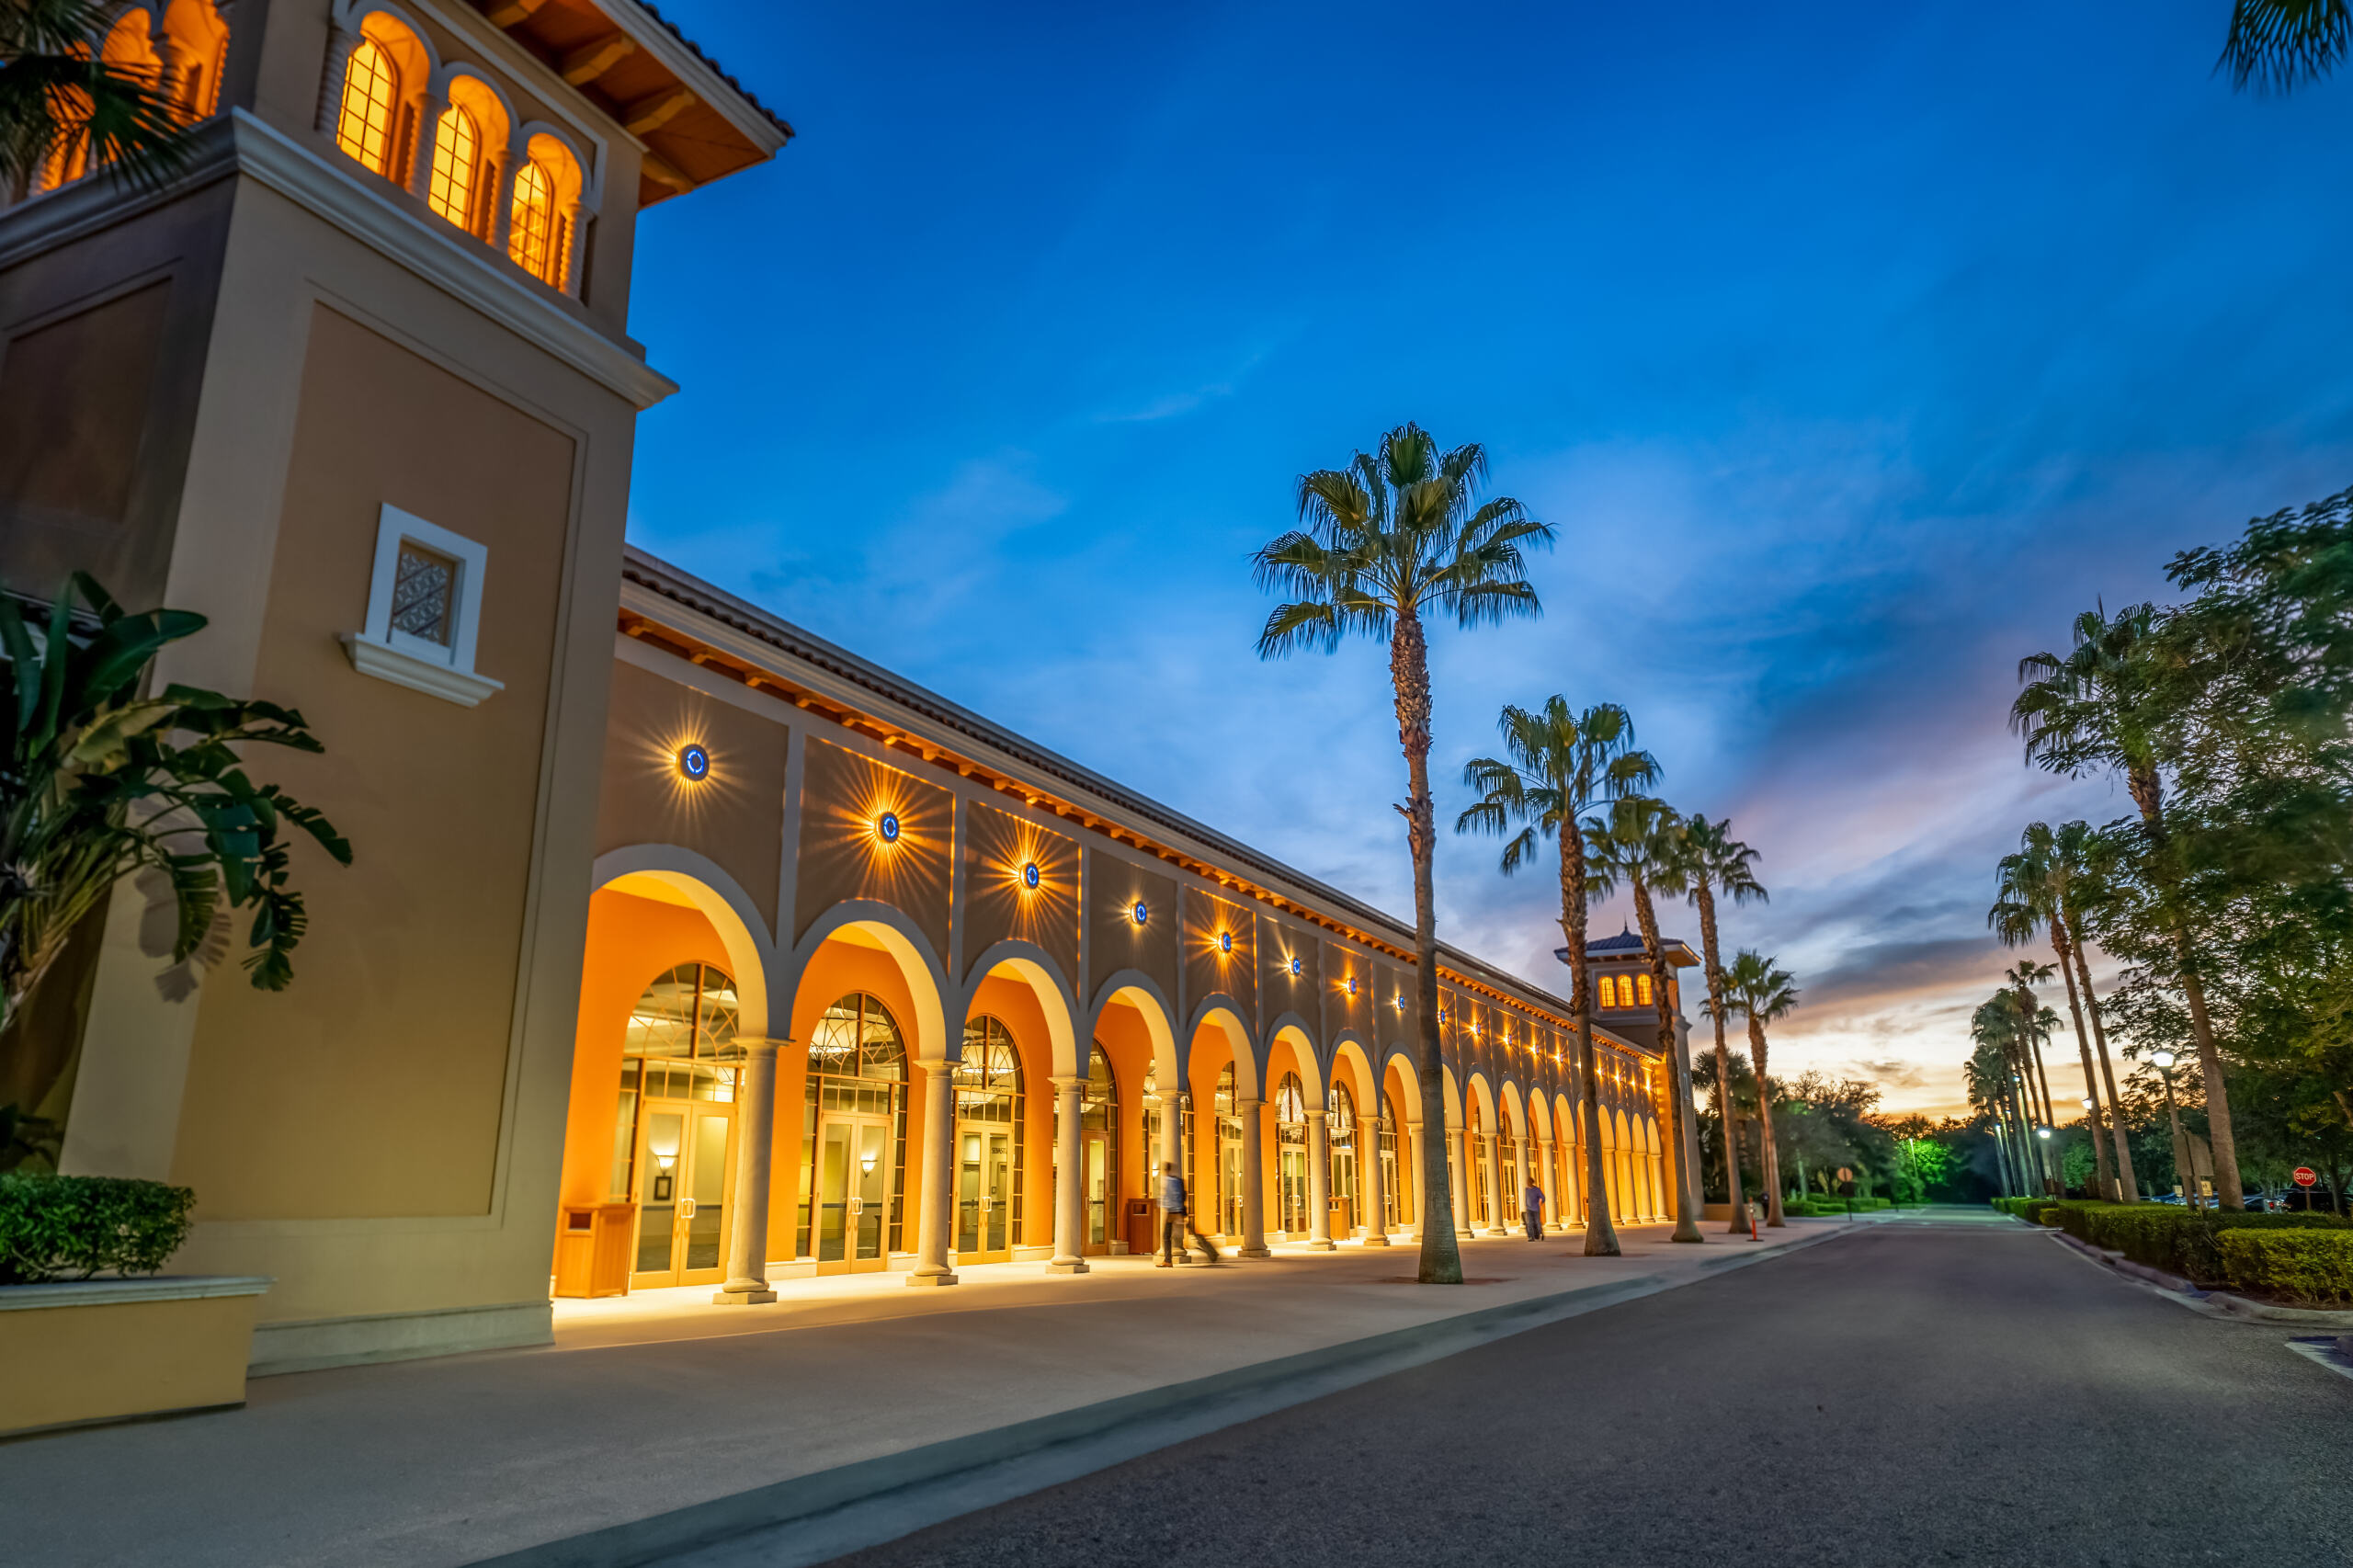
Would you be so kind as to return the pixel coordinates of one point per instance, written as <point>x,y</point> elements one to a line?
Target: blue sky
<point>1850,349</point>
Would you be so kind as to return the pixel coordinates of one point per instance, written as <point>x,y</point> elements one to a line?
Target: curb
<point>2212,1303</point>
<point>896,1494</point>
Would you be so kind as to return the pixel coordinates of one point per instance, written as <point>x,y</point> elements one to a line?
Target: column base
<point>1254,1251</point>
<point>731,1297</point>
<point>1497,1230</point>
<point>1375,1239</point>
<point>1462,1236</point>
<point>1070,1265</point>
<point>945,1276</point>
<point>1323,1247</point>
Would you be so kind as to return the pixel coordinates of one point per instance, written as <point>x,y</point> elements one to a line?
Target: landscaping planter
<point>109,1349</point>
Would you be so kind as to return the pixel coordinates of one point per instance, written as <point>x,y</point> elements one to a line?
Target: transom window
<point>1099,1101</point>
<point>364,126</point>
<point>1290,1111</point>
<point>679,1044</point>
<point>1340,1117</point>
<point>988,1078</point>
<point>856,1054</point>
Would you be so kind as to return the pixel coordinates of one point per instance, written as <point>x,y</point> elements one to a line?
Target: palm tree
<point>60,102</point>
<point>1397,535</point>
<point>1721,864</point>
<point>1639,845</point>
<point>1556,765</point>
<point>2079,861</point>
<point>2098,706</point>
<point>1762,993</point>
<point>2279,44</point>
<point>2024,977</point>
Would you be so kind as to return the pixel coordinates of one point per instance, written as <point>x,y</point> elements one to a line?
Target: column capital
<point>1244,1102</point>
<point>1317,1116</point>
<point>1067,1080</point>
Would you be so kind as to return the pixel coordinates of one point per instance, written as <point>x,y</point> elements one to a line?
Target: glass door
<point>1344,1191</point>
<point>853,1194</point>
<point>984,1195</point>
<point>1095,1162</point>
<point>684,1155</point>
<point>1291,1190</point>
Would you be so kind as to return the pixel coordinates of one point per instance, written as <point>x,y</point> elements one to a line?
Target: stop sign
<point>2306,1177</point>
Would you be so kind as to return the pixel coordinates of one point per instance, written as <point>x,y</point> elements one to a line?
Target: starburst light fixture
<point>886,827</point>
<point>1139,912</point>
<point>1294,968</point>
<point>693,762</point>
<point>1030,876</point>
<point>1225,941</point>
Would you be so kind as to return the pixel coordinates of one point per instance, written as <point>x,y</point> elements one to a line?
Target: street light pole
<point>2183,1164</point>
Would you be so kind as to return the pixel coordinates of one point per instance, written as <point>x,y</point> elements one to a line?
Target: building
<point>681,946</point>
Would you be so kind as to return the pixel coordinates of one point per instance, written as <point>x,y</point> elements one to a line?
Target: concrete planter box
<point>109,1349</point>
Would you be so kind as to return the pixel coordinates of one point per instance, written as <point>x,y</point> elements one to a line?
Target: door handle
<point>685,1209</point>
<point>858,1205</point>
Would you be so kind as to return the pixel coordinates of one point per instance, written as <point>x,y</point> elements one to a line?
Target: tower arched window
<point>530,230</point>
<point>1643,988</point>
<point>370,93</point>
<point>457,164</point>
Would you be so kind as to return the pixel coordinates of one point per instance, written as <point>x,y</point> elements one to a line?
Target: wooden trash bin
<point>592,1249</point>
<point>1142,1226</point>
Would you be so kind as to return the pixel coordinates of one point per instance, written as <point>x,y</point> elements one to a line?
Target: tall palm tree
<point>1721,864</point>
<point>2279,44</point>
<point>2024,976</point>
<point>60,101</point>
<point>1396,536</point>
<point>1762,992</point>
<point>2098,706</point>
<point>2080,860</point>
<point>1558,764</point>
<point>1638,845</point>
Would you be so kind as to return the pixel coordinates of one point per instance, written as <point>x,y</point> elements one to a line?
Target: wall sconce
<point>866,1163</point>
<point>886,827</point>
<point>694,762</point>
<point>1139,912</point>
<point>1352,985</point>
<point>1225,941</point>
<point>1030,876</point>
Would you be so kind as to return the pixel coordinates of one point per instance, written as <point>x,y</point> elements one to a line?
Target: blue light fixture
<point>694,763</point>
<point>1294,968</point>
<point>1029,878</point>
<point>1352,985</point>
<point>1141,912</point>
<point>1225,941</point>
<point>886,827</point>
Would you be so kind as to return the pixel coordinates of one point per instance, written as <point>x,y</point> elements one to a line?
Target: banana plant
<point>101,780</point>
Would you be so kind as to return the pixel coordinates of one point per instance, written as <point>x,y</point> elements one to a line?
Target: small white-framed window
<point>424,611</point>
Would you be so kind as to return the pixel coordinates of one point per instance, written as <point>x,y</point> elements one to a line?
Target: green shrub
<point>2310,1266</point>
<point>2182,1241</point>
<point>71,1227</point>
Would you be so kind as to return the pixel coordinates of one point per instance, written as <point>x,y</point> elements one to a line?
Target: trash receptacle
<point>592,1249</point>
<point>1142,1227</point>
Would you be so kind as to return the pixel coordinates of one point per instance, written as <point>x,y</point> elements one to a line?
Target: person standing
<point>1531,1210</point>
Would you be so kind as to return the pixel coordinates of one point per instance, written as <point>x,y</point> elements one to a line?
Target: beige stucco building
<point>681,946</point>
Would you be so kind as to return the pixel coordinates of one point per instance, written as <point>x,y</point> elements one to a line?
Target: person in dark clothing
<point>1531,1210</point>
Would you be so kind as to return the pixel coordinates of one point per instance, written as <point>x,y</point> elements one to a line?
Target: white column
<point>575,238</point>
<point>1551,1181</point>
<point>429,109</point>
<point>497,199</point>
<point>1319,1181</point>
<point>1069,1181</point>
<point>747,1236</point>
<point>1254,1178</point>
<point>1374,1185</point>
<point>1493,1153</point>
<point>341,41</point>
<point>938,1220</point>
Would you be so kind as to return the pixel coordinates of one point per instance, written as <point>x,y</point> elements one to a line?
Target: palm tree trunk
<point>1686,1219</point>
<point>2050,1117</point>
<point>2127,1185</point>
<point>1723,1062</point>
<point>2105,1173</point>
<point>1409,674</point>
<point>1600,1236</point>
<point>2148,794</point>
<point>1773,1215</point>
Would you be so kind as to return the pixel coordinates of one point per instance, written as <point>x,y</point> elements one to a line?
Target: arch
<point>1221,1012</point>
<point>1350,1065</point>
<point>1453,1098</point>
<point>1135,989</point>
<point>389,63</point>
<point>1512,1122</point>
<point>1029,963</point>
<point>469,147</point>
<point>889,928</point>
<point>194,31</point>
<point>1483,1098</point>
<point>544,206</point>
<point>1303,1054</point>
<point>590,190</point>
<point>721,900</point>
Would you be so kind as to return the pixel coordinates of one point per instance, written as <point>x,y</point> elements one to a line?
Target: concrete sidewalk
<point>654,1403</point>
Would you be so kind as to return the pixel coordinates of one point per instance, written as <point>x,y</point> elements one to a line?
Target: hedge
<point>2310,1266</point>
<point>2178,1241</point>
<point>71,1227</point>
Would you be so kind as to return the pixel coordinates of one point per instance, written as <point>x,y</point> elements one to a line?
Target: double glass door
<point>684,1153</point>
<point>1344,1218</point>
<point>1291,1188</point>
<point>853,1179</point>
<point>1095,1190</point>
<point>984,1193</point>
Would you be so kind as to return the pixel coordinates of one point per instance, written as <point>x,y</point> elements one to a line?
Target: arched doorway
<point>1229,1154</point>
<point>854,1138</point>
<point>1474,1152</point>
<point>1291,1157</point>
<point>1098,1151</point>
<point>1340,1117</point>
<point>673,1136</point>
<point>988,1143</point>
<point>1155,1107</point>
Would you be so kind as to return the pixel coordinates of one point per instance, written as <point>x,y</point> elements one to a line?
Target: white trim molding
<point>382,650</point>
<point>140,1288</point>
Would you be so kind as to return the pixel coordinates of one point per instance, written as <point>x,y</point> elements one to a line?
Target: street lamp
<point>2163,1061</point>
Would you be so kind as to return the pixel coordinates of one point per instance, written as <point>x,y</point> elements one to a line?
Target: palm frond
<point>2276,46</point>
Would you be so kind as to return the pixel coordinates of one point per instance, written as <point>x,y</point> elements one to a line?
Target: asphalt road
<point>1915,1393</point>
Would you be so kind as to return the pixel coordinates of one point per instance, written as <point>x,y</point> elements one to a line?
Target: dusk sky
<point>1849,348</point>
